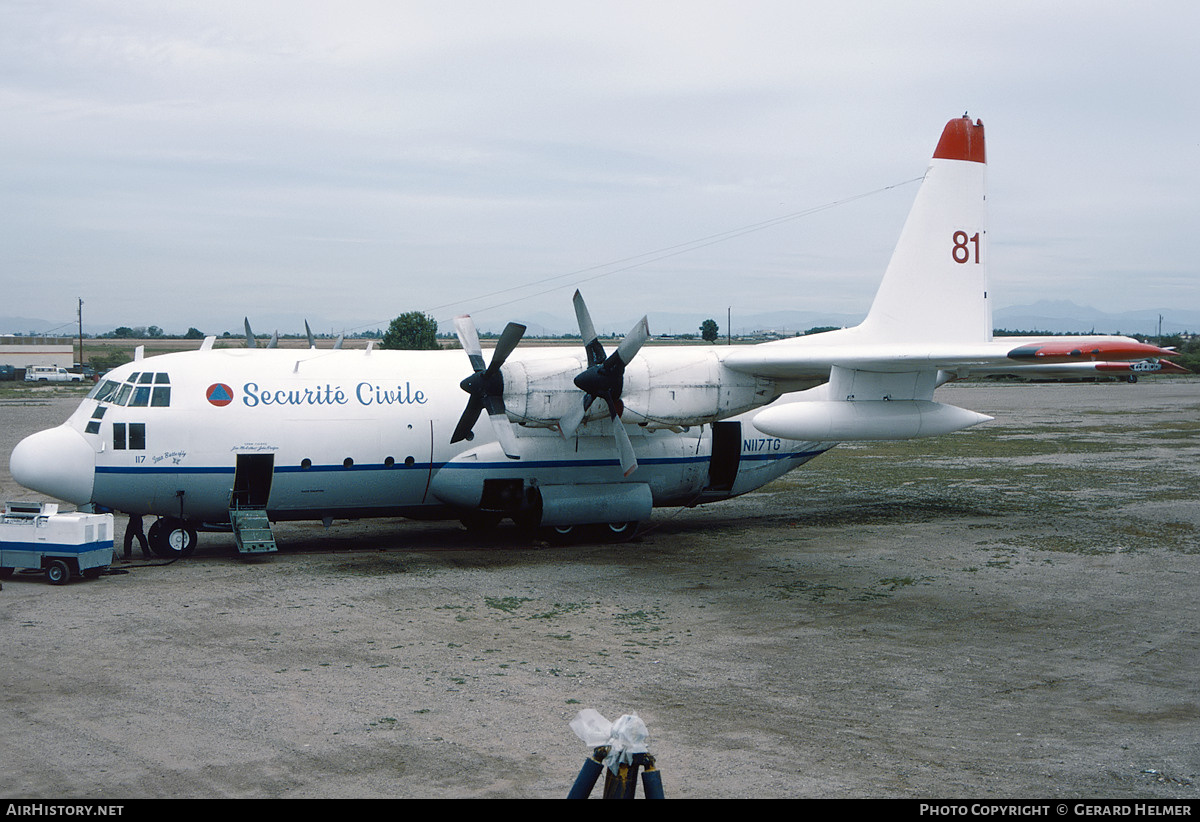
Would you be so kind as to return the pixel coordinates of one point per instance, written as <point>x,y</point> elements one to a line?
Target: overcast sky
<point>189,163</point>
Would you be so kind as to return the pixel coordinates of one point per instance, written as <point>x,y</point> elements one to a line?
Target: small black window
<point>141,397</point>
<point>348,462</point>
<point>389,462</point>
<point>145,378</point>
<point>161,379</point>
<point>93,427</point>
<point>98,414</point>
<point>118,436</point>
<point>123,395</point>
<point>161,397</point>
<point>305,464</point>
<point>137,436</point>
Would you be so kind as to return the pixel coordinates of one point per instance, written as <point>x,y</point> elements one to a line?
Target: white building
<point>21,352</point>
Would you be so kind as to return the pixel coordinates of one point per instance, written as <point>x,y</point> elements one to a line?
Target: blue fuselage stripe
<point>468,466</point>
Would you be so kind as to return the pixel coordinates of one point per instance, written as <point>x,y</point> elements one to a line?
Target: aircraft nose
<point>58,462</point>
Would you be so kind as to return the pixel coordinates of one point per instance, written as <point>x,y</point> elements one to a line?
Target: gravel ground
<point>1007,612</point>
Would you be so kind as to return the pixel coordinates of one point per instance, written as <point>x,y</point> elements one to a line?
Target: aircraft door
<point>726,455</point>
<point>252,480</point>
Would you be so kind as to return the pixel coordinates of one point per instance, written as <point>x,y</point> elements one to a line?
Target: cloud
<point>170,164</point>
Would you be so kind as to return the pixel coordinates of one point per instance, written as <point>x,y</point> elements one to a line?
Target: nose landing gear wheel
<point>171,538</point>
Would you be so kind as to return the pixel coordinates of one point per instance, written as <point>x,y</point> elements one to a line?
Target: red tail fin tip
<point>962,140</point>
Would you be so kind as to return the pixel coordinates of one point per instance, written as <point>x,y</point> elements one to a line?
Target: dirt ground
<point>1010,611</point>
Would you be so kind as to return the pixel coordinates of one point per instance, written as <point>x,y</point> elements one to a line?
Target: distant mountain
<point>1062,317</point>
<point>20,326</point>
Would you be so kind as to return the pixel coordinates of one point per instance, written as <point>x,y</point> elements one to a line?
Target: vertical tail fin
<point>935,287</point>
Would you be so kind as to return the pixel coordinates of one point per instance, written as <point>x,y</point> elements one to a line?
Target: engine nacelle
<point>663,388</point>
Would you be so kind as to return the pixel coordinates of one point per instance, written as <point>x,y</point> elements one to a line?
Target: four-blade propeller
<point>486,385</point>
<point>604,379</point>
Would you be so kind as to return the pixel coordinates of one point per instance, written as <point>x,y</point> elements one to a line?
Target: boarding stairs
<point>252,530</point>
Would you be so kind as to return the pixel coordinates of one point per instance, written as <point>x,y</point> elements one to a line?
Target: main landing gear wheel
<point>602,532</point>
<point>561,534</point>
<point>171,538</point>
<point>619,531</point>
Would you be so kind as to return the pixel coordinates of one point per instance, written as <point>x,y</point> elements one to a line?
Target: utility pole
<point>728,330</point>
<point>81,363</point>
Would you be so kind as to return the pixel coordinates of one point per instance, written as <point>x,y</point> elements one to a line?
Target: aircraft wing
<point>816,356</point>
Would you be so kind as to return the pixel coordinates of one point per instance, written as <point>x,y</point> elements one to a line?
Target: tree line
<point>416,330</point>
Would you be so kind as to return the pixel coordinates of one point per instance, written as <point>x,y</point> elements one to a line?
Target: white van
<point>50,373</point>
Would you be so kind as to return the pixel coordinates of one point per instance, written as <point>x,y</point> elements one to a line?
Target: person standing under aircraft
<point>132,530</point>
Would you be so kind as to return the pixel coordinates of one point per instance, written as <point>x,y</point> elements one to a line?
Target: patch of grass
<point>507,604</point>
<point>895,583</point>
<point>640,621</point>
<point>461,611</point>
<point>560,609</point>
<point>813,591</point>
<point>1146,535</point>
<point>36,392</point>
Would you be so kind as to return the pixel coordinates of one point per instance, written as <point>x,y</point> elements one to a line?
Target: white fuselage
<point>314,434</point>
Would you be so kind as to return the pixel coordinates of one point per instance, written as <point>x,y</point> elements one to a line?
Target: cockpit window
<point>147,388</point>
<point>104,391</point>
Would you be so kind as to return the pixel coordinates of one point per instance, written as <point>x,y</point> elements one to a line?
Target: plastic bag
<point>625,737</point>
